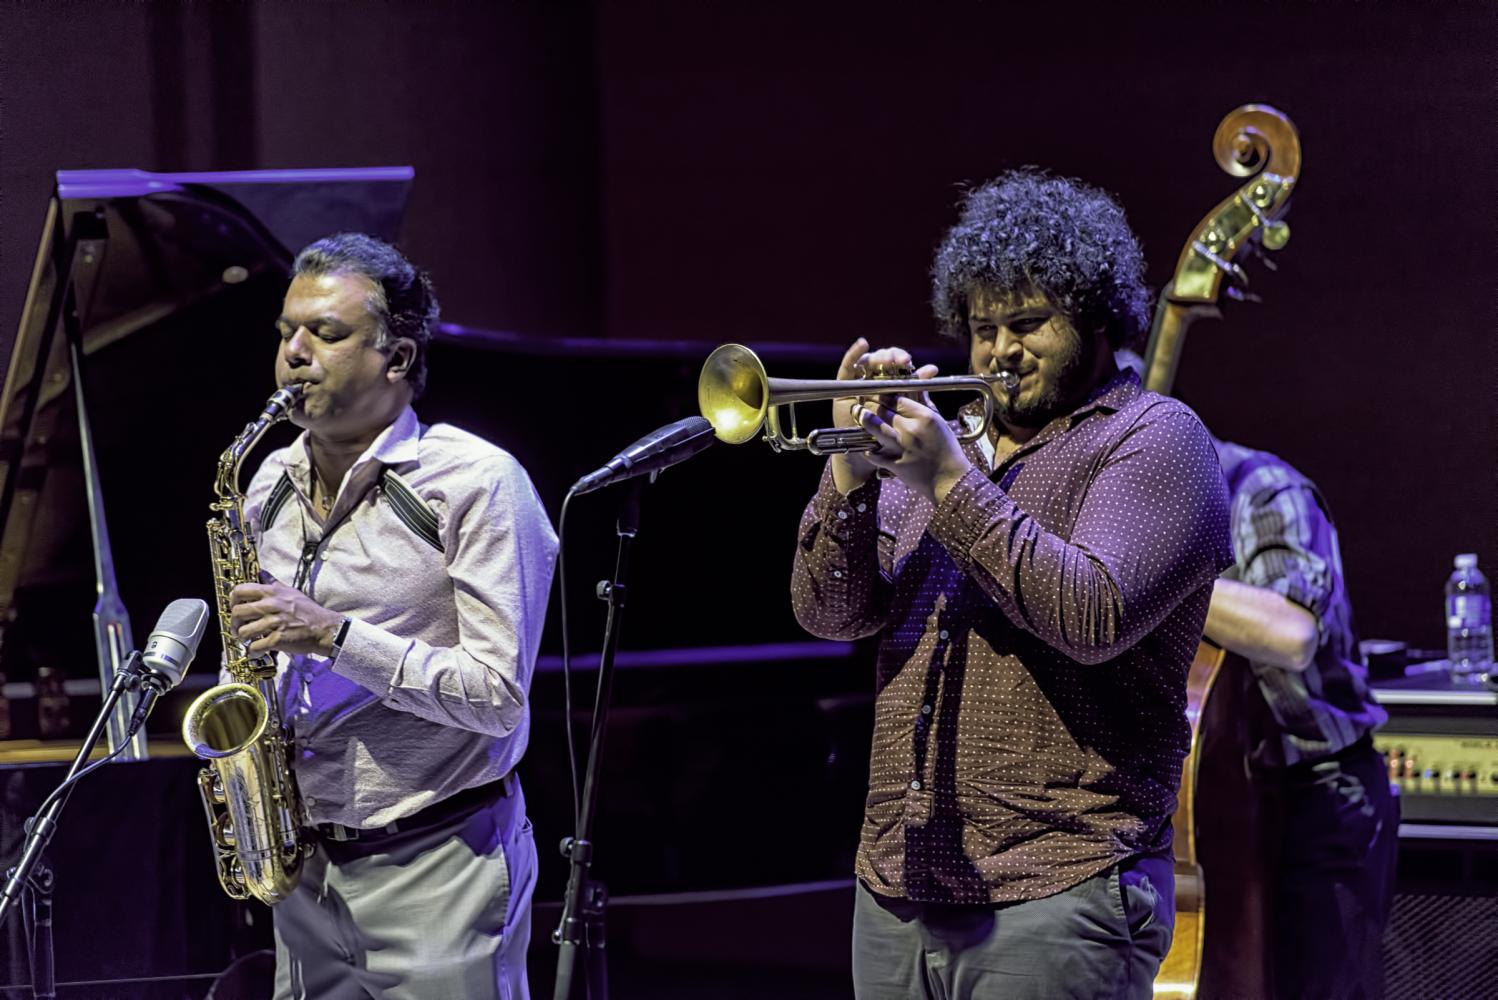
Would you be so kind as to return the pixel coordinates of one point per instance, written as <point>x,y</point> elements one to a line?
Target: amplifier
<point>1441,743</point>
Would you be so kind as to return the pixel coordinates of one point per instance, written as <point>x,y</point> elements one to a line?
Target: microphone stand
<point>31,874</point>
<point>582,923</point>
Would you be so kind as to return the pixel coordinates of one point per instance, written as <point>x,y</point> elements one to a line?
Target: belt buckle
<point>339,832</point>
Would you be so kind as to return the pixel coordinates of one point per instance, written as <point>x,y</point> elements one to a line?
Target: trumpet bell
<point>733,393</point>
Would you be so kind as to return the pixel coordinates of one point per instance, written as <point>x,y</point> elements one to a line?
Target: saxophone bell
<point>229,722</point>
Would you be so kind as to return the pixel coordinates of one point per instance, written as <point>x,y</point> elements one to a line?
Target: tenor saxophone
<point>249,793</point>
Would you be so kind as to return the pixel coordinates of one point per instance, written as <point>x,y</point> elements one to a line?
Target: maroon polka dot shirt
<point>1036,628</point>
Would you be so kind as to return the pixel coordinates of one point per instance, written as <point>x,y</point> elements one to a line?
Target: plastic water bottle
<point>1469,621</point>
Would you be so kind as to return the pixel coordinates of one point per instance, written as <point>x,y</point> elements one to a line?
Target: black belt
<point>450,809</point>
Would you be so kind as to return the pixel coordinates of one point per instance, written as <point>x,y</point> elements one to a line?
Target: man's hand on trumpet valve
<point>915,443</point>
<point>853,469</point>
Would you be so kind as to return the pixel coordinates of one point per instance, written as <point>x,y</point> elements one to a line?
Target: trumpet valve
<point>886,370</point>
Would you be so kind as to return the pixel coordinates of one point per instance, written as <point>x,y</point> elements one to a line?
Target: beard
<point>1065,384</point>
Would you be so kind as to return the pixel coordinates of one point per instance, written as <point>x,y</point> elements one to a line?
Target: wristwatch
<point>340,637</point>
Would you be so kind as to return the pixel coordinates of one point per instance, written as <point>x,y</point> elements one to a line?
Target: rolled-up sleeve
<point>1282,539</point>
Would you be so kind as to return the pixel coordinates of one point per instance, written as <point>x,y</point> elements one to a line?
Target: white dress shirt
<point>441,554</point>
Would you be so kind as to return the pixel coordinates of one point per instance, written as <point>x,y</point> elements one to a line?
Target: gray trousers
<point>1103,938</point>
<point>440,912</point>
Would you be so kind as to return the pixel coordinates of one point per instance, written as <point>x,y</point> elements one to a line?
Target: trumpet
<point>738,398</point>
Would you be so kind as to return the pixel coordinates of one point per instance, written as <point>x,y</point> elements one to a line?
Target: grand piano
<point>737,748</point>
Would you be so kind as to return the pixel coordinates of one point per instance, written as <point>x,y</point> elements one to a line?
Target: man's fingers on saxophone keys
<point>260,626</point>
<point>267,643</point>
<point>275,616</point>
<point>246,604</point>
<point>245,594</point>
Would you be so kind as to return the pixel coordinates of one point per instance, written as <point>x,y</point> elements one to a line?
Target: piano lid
<point>144,251</point>
<point>294,206</point>
<point>153,242</point>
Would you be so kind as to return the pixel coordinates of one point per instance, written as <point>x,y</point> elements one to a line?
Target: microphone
<point>660,449</point>
<point>168,653</point>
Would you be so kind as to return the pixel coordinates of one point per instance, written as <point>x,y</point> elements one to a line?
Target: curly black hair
<point>405,304</point>
<point>1029,231</point>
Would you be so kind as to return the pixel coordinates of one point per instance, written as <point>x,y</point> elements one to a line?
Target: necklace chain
<point>320,494</point>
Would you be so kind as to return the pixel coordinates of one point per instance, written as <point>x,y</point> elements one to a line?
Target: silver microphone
<point>174,640</point>
<point>168,653</point>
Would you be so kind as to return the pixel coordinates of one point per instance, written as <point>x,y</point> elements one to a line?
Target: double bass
<point>1223,824</point>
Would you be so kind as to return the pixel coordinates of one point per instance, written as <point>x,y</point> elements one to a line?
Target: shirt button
<point>916,784</point>
<point>842,515</point>
<point>925,709</point>
<point>309,800</point>
<point>837,573</point>
<point>942,634</point>
<point>862,507</point>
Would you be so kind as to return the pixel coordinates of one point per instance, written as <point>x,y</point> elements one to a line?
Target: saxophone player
<point>405,574</point>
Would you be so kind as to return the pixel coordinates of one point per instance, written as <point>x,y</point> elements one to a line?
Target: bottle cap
<point>1466,560</point>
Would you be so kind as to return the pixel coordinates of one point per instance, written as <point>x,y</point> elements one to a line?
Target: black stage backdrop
<point>716,172</point>
<point>678,171</point>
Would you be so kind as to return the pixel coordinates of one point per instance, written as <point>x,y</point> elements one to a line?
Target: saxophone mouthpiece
<point>282,400</point>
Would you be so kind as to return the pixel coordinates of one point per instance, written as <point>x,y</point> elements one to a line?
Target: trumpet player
<point>1039,595</point>
<point>406,572</point>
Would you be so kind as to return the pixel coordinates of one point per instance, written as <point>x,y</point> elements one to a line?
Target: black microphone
<point>660,449</point>
<point>168,653</point>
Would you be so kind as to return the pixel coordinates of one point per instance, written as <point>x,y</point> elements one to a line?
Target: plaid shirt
<point>1035,631</point>
<point>1284,541</point>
